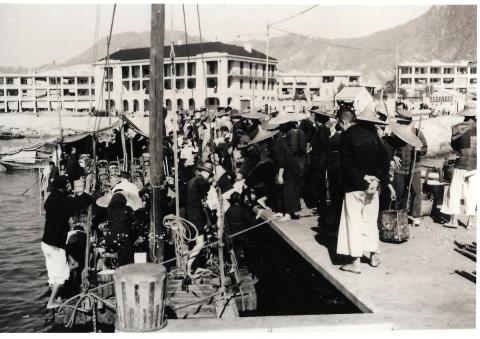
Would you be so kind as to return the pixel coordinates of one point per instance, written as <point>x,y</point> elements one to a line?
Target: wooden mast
<point>156,126</point>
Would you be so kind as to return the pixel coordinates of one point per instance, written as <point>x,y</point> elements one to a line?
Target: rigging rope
<point>293,16</point>
<point>186,46</point>
<point>201,48</point>
<point>95,46</point>
<point>334,45</point>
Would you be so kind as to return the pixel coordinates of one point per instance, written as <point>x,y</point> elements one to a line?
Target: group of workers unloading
<point>347,167</point>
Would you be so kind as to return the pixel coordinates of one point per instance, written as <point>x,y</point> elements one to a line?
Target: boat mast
<point>156,125</point>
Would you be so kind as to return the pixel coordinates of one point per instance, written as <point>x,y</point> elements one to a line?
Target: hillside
<point>445,33</point>
<point>125,40</point>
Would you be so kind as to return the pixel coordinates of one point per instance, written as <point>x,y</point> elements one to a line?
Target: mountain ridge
<point>444,32</point>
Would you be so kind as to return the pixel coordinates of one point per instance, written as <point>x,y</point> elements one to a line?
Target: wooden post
<point>221,260</point>
<point>156,127</point>
<point>131,158</point>
<point>40,190</point>
<point>94,146</point>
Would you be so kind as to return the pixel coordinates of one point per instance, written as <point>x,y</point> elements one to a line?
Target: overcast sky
<point>31,35</point>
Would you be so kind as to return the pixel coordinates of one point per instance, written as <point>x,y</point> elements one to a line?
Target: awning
<point>301,79</point>
<point>40,93</point>
<point>42,104</point>
<point>140,126</point>
<point>28,104</point>
<point>84,104</point>
<point>2,105</point>
<point>55,104</point>
<point>70,104</point>
<point>25,157</point>
<point>81,135</point>
<point>13,104</point>
<point>288,79</point>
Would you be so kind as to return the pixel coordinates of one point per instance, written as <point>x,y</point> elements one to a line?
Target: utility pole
<point>396,75</point>
<point>156,126</point>
<point>268,86</point>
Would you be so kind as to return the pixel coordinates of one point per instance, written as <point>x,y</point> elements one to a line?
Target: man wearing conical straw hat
<point>464,181</point>
<point>364,164</point>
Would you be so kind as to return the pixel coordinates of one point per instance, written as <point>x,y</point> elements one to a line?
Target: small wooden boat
<point>8,135</point>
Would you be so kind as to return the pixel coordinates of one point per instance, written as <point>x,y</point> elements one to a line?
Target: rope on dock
<point>93,296</point>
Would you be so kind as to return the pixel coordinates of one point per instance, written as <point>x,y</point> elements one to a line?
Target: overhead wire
<point>333,44</point>
<point>186,46</point>
<point>293,16</point>
<point>94,54</point>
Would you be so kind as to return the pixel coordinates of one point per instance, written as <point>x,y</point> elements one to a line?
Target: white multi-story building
<point>68,89</point>
<point>211,74</point>
<point>315,86</point>
<point>419,78</point>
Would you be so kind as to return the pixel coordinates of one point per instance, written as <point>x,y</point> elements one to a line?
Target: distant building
<point>70,89</point>
<point>225,75</point>
<point>419,79</point>
<point>315,86</point>
<point>358,96</point>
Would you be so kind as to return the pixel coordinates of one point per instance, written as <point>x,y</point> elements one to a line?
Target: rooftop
<point>322,73</point>
<point>350,92</point>
<point>463,63</point>
<point>190,50</point>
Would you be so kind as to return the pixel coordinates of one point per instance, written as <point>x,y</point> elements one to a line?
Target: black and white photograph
<point>212,167</point>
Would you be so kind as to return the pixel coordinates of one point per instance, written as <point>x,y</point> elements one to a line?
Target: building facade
<point>419,79</point>
<point>67,90</point>
<point>315,86</point>
<point>207,75</point>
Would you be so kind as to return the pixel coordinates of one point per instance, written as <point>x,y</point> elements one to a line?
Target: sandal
<point>374,260</point>
<point>350,268</point>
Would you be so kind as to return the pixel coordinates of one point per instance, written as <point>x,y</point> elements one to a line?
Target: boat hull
<point>15,166</point>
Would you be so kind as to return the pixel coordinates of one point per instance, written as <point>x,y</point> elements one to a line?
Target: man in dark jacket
<point>464,181</point>
<point>364,165</point>
<point>318,159</point>
<point>197,189</point>
<point>73,169</point>
<point>59,208</point>
<point>239,217</point>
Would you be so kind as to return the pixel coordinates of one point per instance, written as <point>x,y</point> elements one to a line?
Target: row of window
<point>438,70</point>
<point>42,81</point>
<point>253,84</point>
<point>253,68</point>
<point>424,81</point>
<point>43,93</point>
<point>212,82</point>
<point>143,71</point>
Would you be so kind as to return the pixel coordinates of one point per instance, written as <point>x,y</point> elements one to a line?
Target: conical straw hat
<point>405,133</point>
<point>369,115</point>
<point>285,117</point>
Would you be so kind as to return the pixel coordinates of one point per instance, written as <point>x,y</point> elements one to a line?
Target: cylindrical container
<point>141,293</point>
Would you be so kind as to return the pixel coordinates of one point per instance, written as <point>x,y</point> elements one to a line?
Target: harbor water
<point>23,277</point>
<point>288,285</point>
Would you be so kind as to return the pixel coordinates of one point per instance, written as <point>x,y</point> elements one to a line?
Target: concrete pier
<point>414,287</point>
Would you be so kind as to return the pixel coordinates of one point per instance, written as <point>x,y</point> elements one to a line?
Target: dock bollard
<point>141,293</point>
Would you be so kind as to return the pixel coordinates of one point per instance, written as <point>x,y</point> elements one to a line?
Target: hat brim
<point>318,112</point>
<point>403,134</point>
<point>266,135</point>
<point>254,116</point>
<point>372,120</point>
<point>135,202</point>
<point>286,118</point>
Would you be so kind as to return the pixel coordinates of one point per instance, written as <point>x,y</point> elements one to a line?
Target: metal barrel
<point>141,293</point>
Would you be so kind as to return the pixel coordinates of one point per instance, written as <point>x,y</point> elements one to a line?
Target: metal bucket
<point>394,226</point>
<point>141,294</point>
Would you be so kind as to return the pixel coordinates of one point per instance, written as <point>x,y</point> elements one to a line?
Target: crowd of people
<point>345,166</point>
